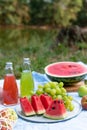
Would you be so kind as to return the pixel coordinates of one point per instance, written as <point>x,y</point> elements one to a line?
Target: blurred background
<point>47,31</point>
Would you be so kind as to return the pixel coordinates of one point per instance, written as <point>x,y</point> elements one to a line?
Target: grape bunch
<point>56,91</point>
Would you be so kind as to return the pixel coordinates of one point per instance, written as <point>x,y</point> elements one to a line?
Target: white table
<point>77,123</point>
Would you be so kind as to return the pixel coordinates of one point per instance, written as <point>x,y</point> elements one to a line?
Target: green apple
<point>82,91</point>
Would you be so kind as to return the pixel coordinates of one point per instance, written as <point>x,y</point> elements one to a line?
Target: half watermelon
<point>56,110</point>
<point>67,72</point>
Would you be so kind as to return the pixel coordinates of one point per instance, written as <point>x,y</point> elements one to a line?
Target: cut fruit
<point>56,110</point>
<point>37,104</point>
<point>26,107</point>
<point>46,100</point>
<point>67,72</point>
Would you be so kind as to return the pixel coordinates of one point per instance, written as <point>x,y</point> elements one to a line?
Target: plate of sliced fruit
<point>37,112</point>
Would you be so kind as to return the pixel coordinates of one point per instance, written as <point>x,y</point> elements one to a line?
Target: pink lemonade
<point>10,90</point>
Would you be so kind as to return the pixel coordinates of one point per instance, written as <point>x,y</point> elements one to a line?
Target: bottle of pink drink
<point>10,88</point>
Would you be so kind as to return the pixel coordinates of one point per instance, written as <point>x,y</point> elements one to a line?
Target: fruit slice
<point>26,107</point>
<point>56,110</point>
<point>37,104</point>
<point>46,100</point>
<point>66,71</point>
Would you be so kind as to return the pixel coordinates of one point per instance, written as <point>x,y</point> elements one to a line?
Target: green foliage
<point>13,11</point>
<point>15,44</point>
<point>82,15</point>
<point>66,11</point>
<point>42,12</point>
<point>56,12</point>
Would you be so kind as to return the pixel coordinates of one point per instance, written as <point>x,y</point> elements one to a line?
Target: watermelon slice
<point>46,100</point>
<point>26,107</point>
<point>37,104</point>
<point>56,110</point>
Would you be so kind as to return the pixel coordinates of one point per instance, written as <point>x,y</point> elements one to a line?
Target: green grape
<point>63,90</point>
<point>59,97</point>
<point>47,90</point>
<point>52,92</point>
<point>58,90</point>
<point>31,92</point>
<point>61,84</point>
<point>53,84</point>
<point>70,97</point>
<point>71,107</point>
<point>47,85</point>
<point>39,91</point>
<point>40,86</point>
<point>54,97</point>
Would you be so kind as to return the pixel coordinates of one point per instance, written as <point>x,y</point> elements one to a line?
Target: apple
<point>84,102</point>
<point>82,90</point>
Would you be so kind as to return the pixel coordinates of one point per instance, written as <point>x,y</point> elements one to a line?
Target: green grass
<point>15,44</point>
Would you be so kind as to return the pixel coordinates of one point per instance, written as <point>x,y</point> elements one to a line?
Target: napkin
<point>39,79</point>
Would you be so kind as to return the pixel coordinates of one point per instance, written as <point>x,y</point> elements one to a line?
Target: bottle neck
<point>26,67</point>
<point>27,64</point>
<point>8,68</point>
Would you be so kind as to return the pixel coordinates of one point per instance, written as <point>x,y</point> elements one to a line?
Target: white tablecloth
<point>77,123</point>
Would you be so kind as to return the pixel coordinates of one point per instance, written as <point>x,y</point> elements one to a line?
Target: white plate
<point>41,119</point>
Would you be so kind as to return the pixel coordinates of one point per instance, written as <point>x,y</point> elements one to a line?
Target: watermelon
<point>46,100</point>
<point>56,110</point>
<point>26,106</point>
<point>37,104</point>
<point>67,72</point>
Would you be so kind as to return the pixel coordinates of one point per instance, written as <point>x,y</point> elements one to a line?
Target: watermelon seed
<point>53,108</point>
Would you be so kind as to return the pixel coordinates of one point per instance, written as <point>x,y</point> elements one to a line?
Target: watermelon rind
<point>66,78</point>
<point>28,113</point>
<point>63,116</point>
<point>40,112</point>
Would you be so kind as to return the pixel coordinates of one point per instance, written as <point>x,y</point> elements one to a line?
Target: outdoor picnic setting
<point>43,64</point>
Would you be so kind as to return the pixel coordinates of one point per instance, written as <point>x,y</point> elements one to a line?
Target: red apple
<point>84,102</point>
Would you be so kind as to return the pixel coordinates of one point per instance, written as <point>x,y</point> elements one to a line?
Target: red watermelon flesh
<point>56,110</point>
<point>66,69</point>
<point>37,104</point>
<point>46,100</point>
<point>26,107</point>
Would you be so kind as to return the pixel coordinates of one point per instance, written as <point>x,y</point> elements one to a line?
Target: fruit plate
<point>41,119</point>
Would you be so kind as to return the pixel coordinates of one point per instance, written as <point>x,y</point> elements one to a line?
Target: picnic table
<point>76,122</point>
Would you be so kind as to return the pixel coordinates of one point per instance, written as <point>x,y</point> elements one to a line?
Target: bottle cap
<point>27,60</point>
<point>8,65</point>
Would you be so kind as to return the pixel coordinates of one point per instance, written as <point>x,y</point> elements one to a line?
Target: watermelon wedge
<point>26,107</point>
<point>37,104</point>
<point>46,100</point>
<point>56,110</point>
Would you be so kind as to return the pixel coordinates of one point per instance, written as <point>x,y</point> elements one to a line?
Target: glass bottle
<point>10,88</point>
<point>26,81</point>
